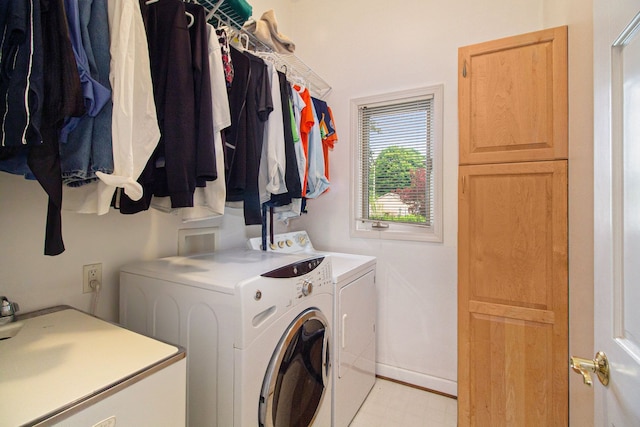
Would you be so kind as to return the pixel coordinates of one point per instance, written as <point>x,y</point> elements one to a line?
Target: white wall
<point>36,281</point>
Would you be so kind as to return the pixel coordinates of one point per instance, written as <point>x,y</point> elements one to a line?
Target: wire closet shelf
<point>295,69</point>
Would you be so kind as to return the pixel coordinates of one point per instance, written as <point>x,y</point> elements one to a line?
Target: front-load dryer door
<point>297,378</point>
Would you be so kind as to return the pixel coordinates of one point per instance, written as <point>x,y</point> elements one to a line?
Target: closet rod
<point>289,63</point>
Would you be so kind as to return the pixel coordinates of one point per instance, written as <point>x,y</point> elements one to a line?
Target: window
<point>397,165</point>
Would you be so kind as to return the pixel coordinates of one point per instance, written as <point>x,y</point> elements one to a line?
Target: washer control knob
<point>307,288</point>
<point>258,295</point>
<point>289,242</point>
<point>273,246</point>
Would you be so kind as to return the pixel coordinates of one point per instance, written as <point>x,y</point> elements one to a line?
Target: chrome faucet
<point>8,310</point>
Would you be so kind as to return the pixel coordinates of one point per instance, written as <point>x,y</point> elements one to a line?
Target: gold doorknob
<point>598,366</point>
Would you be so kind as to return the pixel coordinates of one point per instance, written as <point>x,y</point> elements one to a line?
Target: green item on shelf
<point>238,10</point>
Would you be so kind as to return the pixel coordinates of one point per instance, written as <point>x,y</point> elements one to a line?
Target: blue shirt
<point>95,94</point>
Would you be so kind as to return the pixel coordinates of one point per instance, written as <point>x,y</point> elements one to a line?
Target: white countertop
<point>65,357</point>
<point>220,271</point>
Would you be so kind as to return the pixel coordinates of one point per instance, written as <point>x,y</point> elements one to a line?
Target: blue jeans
<point>88,148</point>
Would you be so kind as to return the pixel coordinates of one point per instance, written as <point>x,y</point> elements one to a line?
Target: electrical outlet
<point>91,272</point>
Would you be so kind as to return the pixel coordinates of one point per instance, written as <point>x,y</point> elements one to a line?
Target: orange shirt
<point>306,123</point>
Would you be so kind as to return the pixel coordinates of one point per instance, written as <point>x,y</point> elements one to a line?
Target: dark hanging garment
<point>171,169</point>
<point>63,95</point>
<point>246,148</point>
<point>235,136</point>
<point>205,149</point>
<point>292,177</point>
<point>21,84</point>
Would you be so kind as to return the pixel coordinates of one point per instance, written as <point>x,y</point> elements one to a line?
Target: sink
<point>10,330</point>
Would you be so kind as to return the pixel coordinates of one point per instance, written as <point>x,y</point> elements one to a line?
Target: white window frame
<point>392,230</point>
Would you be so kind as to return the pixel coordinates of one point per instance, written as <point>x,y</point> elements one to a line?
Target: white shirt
<point>298,104</point>
<point>317,182</point>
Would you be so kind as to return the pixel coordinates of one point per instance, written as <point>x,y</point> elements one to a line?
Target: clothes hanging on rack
<point>328,132</point>
<point>205,149</point>
<point>292,177</point>
<point>209,201</point>
<point>21,79</point>
<point>95,94</point>
<point>271,179</point>
<point>288,205</point>
<point>61,96</point>
<point>171,169</point>
<point>185,126</point>
<point>297,106</point>
<point>317,182</point>
<point>251,103</point>
<point>307,121</point>
<point>223,41</point>
<point>88,149</point>
<point>20,120</point>
<point>134,125</point>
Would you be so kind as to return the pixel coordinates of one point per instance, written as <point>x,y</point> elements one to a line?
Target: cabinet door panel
<point>513,98</point>
<point>513,294</point>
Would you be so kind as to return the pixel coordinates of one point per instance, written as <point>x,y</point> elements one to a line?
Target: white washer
<point>355,308</point>
<point>256,327</point>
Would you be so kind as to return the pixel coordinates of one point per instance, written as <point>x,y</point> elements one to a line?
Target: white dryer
<point>256,327</point>
<point>355,311</point>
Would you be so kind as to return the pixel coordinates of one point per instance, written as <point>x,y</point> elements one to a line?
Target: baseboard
<point>434,384</point>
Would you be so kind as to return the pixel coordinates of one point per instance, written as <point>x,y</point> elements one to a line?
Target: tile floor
<point>394,405</point>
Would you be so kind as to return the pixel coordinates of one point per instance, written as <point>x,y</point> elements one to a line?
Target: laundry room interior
<point>361,49</point>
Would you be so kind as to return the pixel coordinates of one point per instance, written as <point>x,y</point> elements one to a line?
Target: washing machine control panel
<point>311,273</point>
<point>318,280</point>
<point>297,269</point>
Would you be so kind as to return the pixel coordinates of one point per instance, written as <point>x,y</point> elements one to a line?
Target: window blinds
<point>396,161</point>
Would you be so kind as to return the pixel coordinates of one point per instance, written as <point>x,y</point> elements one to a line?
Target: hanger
<point>239,40</point>
<point>246,41</point>
<point>295,79</point>
<point>189,15</point>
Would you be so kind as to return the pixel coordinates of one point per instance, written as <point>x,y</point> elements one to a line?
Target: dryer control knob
<point>307,288</point>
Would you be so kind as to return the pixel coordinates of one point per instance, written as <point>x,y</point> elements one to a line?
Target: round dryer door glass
<point>296,380</point>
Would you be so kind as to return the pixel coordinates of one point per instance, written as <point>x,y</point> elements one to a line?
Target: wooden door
<point>513,290</point>
<point>512,103</point>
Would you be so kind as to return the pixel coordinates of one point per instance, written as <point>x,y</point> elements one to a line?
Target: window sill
<point>396,232</point>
